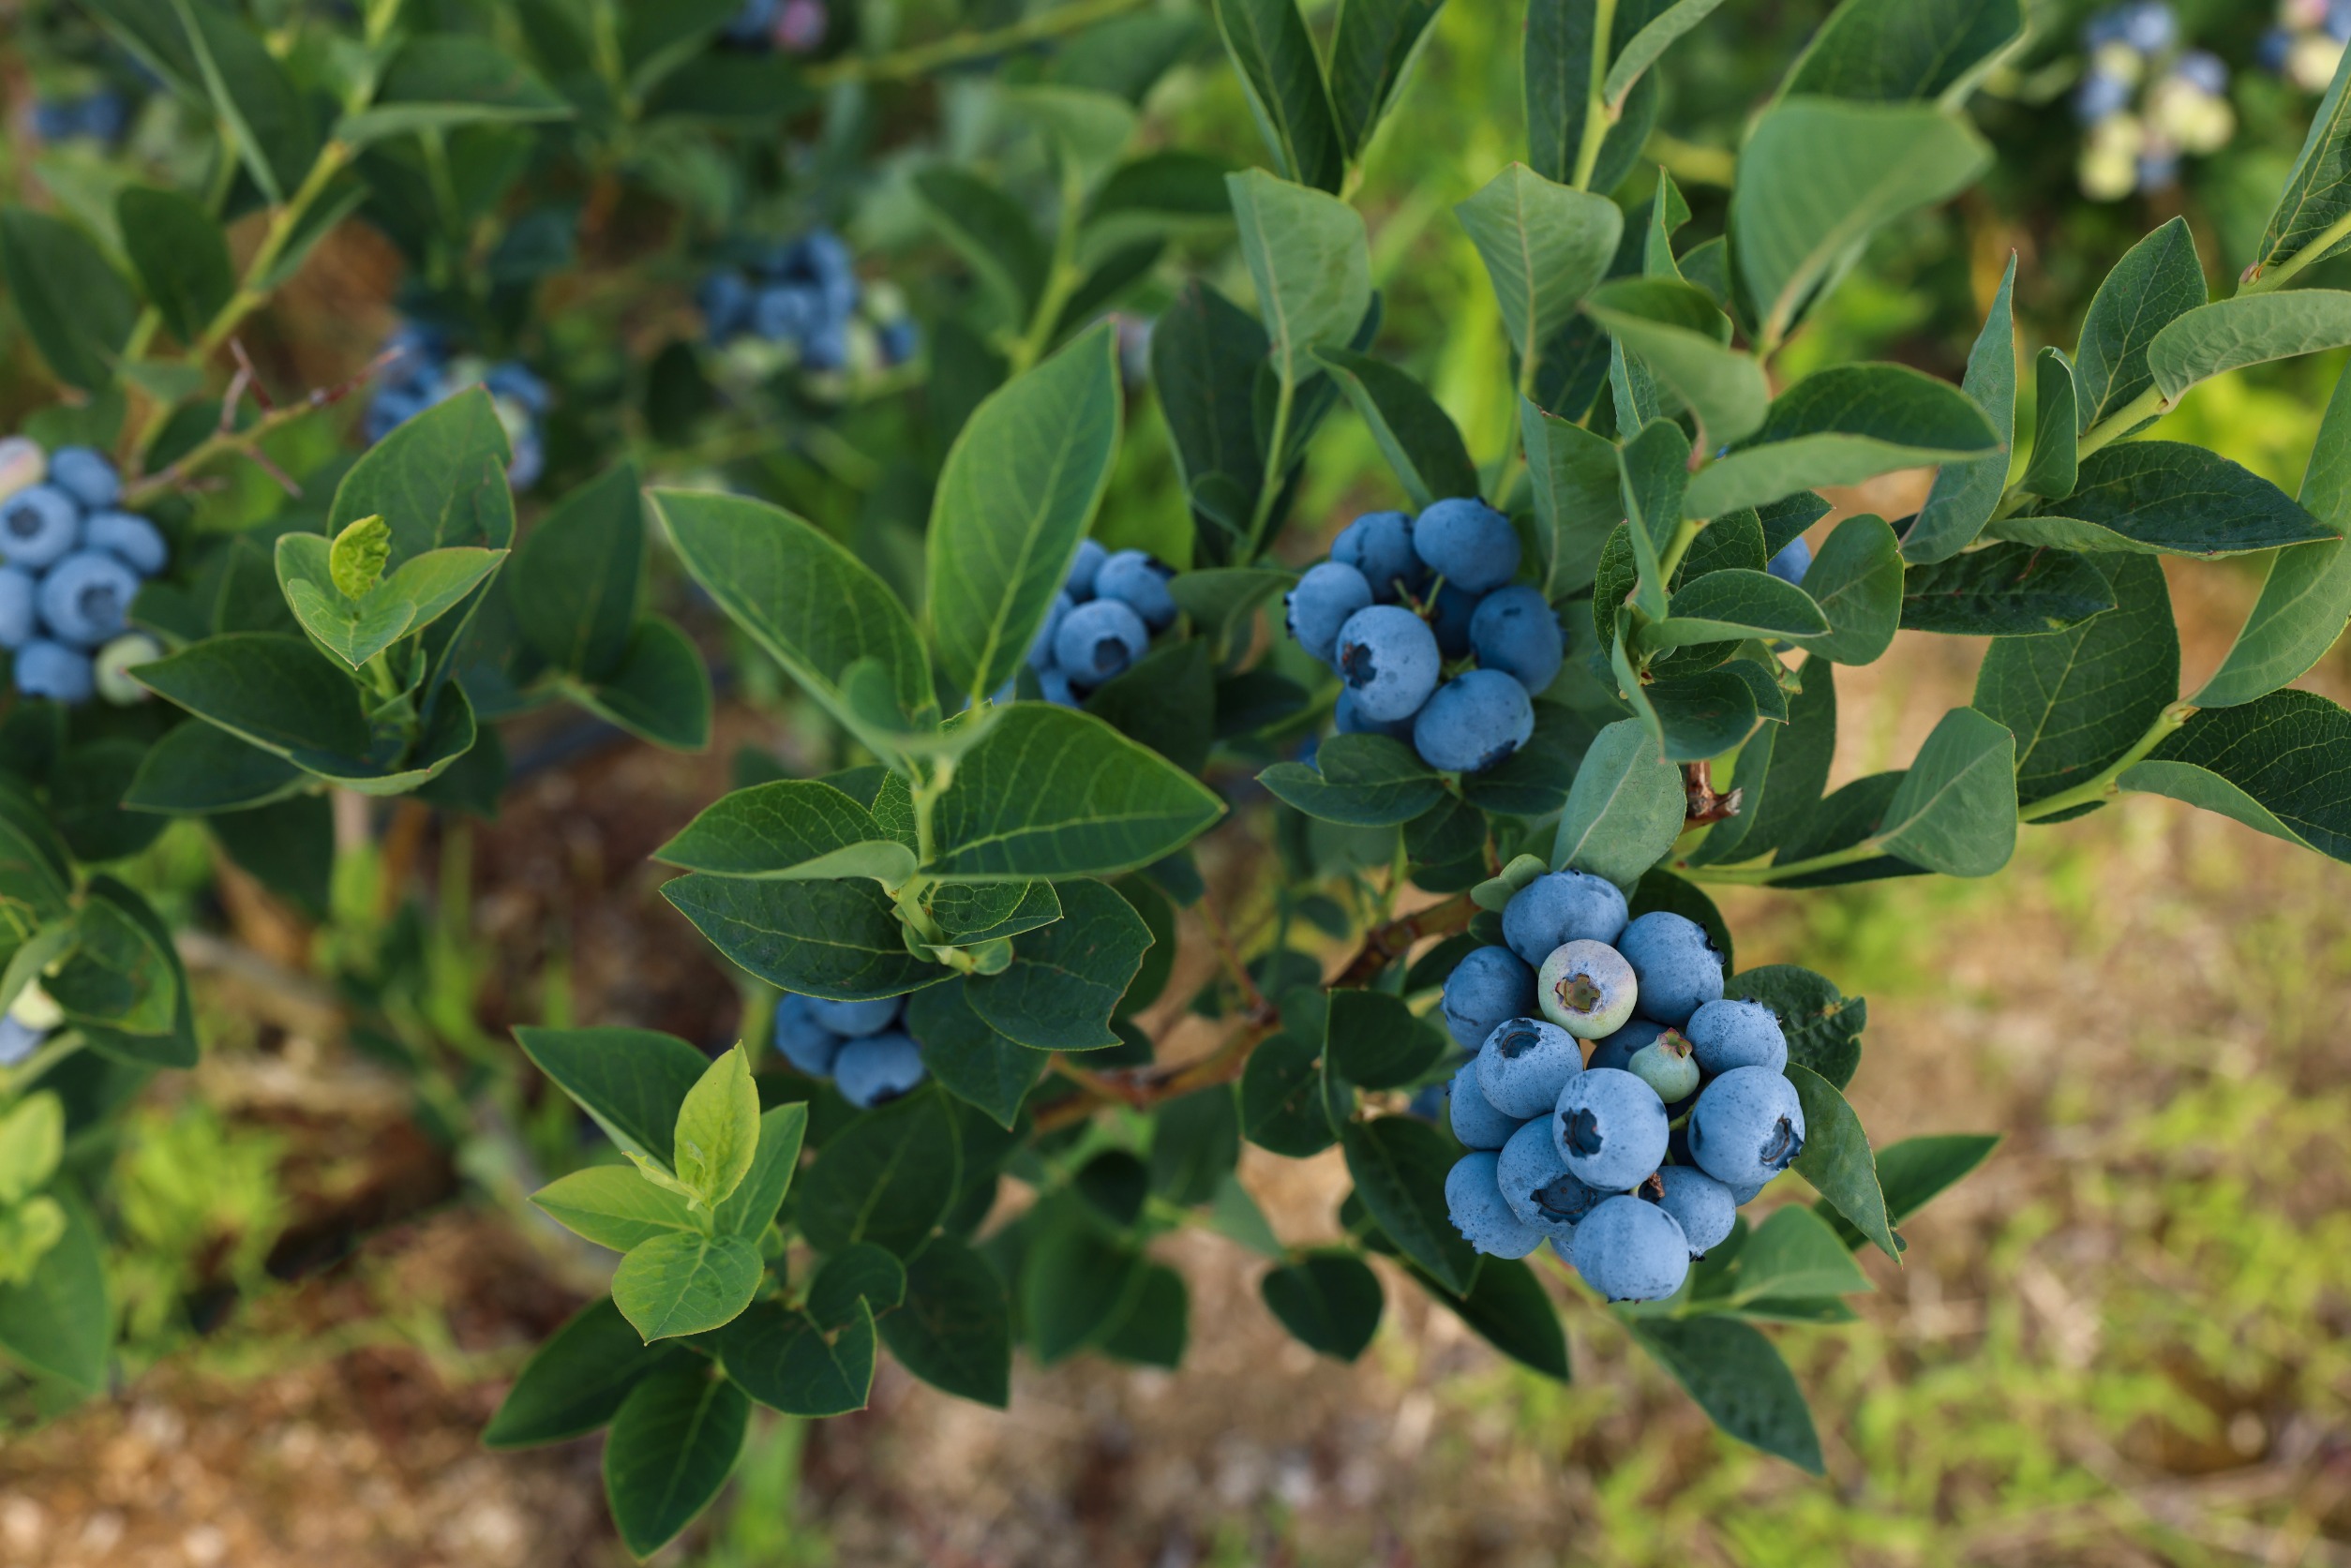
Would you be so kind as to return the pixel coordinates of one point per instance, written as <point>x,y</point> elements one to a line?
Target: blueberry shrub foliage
<point>1461,802</point>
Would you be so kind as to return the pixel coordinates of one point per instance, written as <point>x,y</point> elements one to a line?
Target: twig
<point>228,440</point>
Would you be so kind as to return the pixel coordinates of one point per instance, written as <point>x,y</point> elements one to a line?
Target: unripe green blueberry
<point>1666,1064</point>
<point>1587,988</point>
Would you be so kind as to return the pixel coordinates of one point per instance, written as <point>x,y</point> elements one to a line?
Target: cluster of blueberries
<point>1401,603</point>
<point>2147,104</point>
<point>793,26</point>
<point>74,561</point>
<point>2308,41</point>
<point>1110,606</point>
<point>863,1047</point>
<point>804,295</point>
<point>1638,1161</point>
<point>100,115</point>
<point>428,370</point>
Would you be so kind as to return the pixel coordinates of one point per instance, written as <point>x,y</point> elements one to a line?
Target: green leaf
<point>2317,193</point>
<point>1418,438</point>
<point>2251,329</point>
<point>990,232</point>
<point>955,1330</point>
<point>1680,336</point>
<point>1281,1095</point>
<point>1050,792</point>
<point>1156,1326</point>
<point>1956,809</point>
<point>1533,781</point>
<point>793,829</point>
<point>718,1128</point>
<point>1398,1166</point>
<point>1913,1172</point>
<point>1375,1041</point>
<point>1857,579</point>
<point>441,81</point>
<point>1822,1024</point>
<point>1374,46</point>
<point>1365,781</point>
<point>2006,590</point>
<point>780,1357</point>
<point>1836,1159</point>
<point>1624,810</point>
<point>1840,426</point>
<point>2277,764</point>
<point>1732,605</point>
<point>576,1380</point>
<point>574,582</point>
<point>815,609</point>
<point>1561,77</point>
<point>1578,498</point>
<point>264,113</point>
<point>861,1274</point>
<point>75,307</point>
<point>1792,1254</point>
<point>354,561</point>
<point>1195,1144</point>
<point>1076,1283</point>
<point>1783,783</point>
<point>138,1009</point>
<point>1019,490</point>
<point>2307,595</point>
<point>1655,475</point>
<point>967,1055</point>
<point>1545,245</point>
<point>972,912</point>
<point>355,629</point>
<point>1965,495</point>
<point>1819,176</point>
<point>631,1080</point>
<point>675,1439</point>
<point>2168,498</point>
<point>2077,700</point>
<point>838,940</point>
<point>197,767</point>
<point>614,1206</point>
<point>1275,56</point>
<point>1330,1300</point>
<point>1738,1379</point>
<point>886,1178</point>
<point>440,479</point>
<point>1657,34</point>
<point>1066,980</point>
<point>1307,254</point>
<point>684,1283</point>
<point>1897,51</point>
<point>2056,462</point>
<point>1205,352</point>
<point>660,692</point>
<point>181,255</point>
<point>2156,283</point>
<point>751,1208</point>
<point>1510,1310</point>
<point>60,1322</point>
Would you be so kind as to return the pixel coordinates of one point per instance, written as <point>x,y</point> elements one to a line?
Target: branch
<point>227,441</point>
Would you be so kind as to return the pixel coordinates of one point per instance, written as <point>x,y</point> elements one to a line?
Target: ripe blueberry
<point>1792,562</point>
<point>1099,639</point>
<point>856,1018</point>
<point>1378,545</point>
<point>1702,1206</point>
<point>1473,1196</point>
<point>1537,1185</point>
<point>1524,1064</point>
<point>1611,1129</point>
<point>1516,632</point>
<point>878,1069</point>
<point>1351,721</point>
<point>805,1042</point>
<point>1388,658</point>
<point>86,476</point>
<point>1139,582</point>
<point>1679,968</point>
<point>1083,569</point>
<point>1563,907</point>
<point>1486,989</point>
<point>137,542</point>
<point>1729,1035</point>
<point>86,597</point>
<point>1041,646</point>
<point>1629,1250</point>
<point>1468,542</point>
<point>1474,1118</point>
<point>16,607</point>
<point>1747,1127</point>
<point>1473,723</point>
<point>1324,597</point>
<point>38,524</point>
<point>50,670</point>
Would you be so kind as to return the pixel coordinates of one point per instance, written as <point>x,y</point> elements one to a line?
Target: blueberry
<point>823,257</point>
<point>1732,1034</point>
<point>2201,68</point>
<point>1473,722</point>
<point>86,597</point>
<point>1079,584</point>
<point>1664,1065</point>
<point>785,313</point>
<point>1351,721</point>
<point>1474,1118</point>
<point>1136,580</point>
<point>16,608</point>
<point>2149,27</point>
<point>1324,597</point>
<point>16,1042</point>
<point>2338,24</point>
<point>1679,968</point>
<point>1792,561</point>
<point>1099,639</point>
<point>1537,1185</point>
<point>856,1018</point>
<point>529,461</point>
<point>50,670</point>
<point>86,476</point>
<point>2158,172</point>
<point>38,524</point>
<point>2100,97</point>
<point>1616,1050</point>
<point>1516,632</point>
<point>1587,988</point>
<point>1564,907</point>
<point>1611,1129</point>
<point>1747,1127</point>
<point>878,1069</point>
<point>827,346</point>
<point>901,340</point>
<point>1450,618</point>
<point>512,379</point>
<point>1474,1196</point>
<point>807,1044</point>
<point>1378,545</point>
<point>1041,646</point>
<point>1468,542</point>
<point>137,542</point>
<point>750,25</point>
<point>1743,1196</point>
<point>1054,685</point>
<point>22,463</point>
<point>1488,988</point>
<point>1702,1206</point>
<point>1524,1064</point>
<point>1388,658</point>
<point>110,669</point>
<point>1629,1250</point>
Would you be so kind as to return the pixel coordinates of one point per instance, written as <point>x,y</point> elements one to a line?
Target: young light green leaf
<point>354,628</point>
<point>1545,245</point>
<point>2277,764</point>
<point>2055,465</point>
<point>1624,810</point>
<point>614,1206</point>
<point>1965,495</point>
<point>31,1141</point>
<point>356,559</point>
<point>1817,177</point>
<point>1956,809</point>
<point>684,1283</point>
<point>717,1133</point>
<point>1019,490</point>
<point>1310,260</point>
<point>60,1321</point>
<point>2158,281</point>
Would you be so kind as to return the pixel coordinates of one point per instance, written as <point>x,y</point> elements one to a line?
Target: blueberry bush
<point>1013,518</point>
